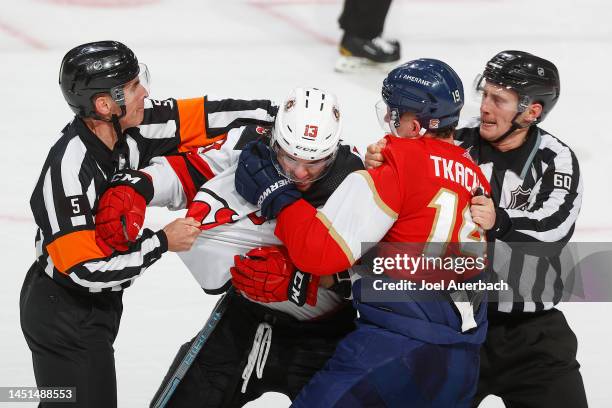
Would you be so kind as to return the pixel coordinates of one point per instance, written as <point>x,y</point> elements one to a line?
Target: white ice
<point>262,49</point>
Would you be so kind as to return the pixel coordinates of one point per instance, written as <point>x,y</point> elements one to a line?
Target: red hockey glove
<point>268,275</point>
<point>121,210</point>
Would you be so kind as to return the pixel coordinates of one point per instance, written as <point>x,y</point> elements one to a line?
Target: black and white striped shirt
<point>537,189</point>
<point>65,198</point>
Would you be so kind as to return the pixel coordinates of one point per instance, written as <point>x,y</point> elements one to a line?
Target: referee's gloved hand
<point>258,181</point>
<point>267,275</point>
<point>121,210</point>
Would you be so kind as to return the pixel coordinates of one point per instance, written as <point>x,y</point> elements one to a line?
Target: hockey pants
<point>297,351</point>
<point>374,367</point>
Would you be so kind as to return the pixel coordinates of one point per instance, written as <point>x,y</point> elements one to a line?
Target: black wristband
<point>502,223</point>
<point>138,180</point>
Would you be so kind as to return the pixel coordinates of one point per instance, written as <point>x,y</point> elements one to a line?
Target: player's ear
<point>410,125</point>
<point>417,129</point>
<point>103,105</point>
<point>533,112</point>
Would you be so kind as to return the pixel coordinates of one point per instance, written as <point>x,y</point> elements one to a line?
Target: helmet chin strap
<point>513,127</point>
<point>120,151</point>
<point>116,125</point>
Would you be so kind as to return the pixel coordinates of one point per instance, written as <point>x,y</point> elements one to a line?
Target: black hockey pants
<point>71,337</point>
<point>297,351</point>
<point>529,361</point>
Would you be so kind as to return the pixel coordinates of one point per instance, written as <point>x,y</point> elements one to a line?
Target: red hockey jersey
<point>421,194</point>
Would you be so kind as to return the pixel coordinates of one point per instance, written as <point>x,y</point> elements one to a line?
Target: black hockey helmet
<point>94,68</point>
<point>535,79</point>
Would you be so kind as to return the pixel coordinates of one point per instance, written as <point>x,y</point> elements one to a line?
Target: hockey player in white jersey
<point>257,348</point>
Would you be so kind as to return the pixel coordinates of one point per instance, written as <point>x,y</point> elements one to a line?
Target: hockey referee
<point>71,299</point>
<point>529,357</point>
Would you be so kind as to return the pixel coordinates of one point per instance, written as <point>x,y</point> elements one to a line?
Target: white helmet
<point>308,124</point>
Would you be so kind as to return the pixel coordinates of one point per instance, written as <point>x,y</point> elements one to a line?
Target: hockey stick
<point>169,386</point>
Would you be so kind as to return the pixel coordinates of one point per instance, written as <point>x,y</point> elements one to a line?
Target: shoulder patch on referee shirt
<point>74,206</point>
<point>562,180</point>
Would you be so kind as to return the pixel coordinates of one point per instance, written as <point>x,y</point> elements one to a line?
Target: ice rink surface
<point>262,49</point>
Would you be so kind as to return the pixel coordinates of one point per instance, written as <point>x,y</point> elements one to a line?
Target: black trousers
<point>71,337</point>
<point>298,350</point>
<point>529,361</point>
<point>364,18</point>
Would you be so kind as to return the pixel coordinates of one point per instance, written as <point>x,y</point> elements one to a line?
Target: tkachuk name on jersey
<point>455,172</point>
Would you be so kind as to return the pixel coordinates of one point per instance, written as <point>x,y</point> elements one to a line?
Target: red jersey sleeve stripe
<point>200,164</point>
<point>336,237</point>
<point>180,168</point>
<point>379,201</point>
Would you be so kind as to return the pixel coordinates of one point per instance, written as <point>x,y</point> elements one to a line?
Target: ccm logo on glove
<point>297,289</point>
<point>125,178</point>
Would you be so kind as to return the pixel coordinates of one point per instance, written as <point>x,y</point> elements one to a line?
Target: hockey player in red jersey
<point>405,353</point>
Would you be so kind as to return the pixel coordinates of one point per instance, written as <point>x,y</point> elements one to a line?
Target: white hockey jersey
<point>232,226</point>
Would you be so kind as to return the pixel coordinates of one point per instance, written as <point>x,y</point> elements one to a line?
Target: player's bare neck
<point>448,139</point>
<point>514,141</point>
<point>103,130</point>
